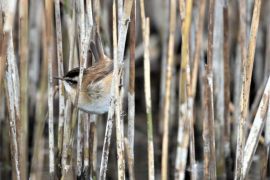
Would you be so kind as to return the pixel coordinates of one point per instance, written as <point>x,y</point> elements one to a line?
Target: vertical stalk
<point>185,121</point>
<point>166,110</point>
<point>131,90</point>
<point>218,87</point>
<point>109,125</point>
<point>93,145</point>
<point>245,90</point>
<point>11,84</point>
<point>41,106</point>
<point>50,50</point>
<point>60,74</point>
<point>209,89</point>
<point>147,91</point>
<point>227,117</point>
<point>23,51</point>
<point>198,43</point>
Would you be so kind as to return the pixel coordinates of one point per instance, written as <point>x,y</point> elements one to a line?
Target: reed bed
<point>190,94</point>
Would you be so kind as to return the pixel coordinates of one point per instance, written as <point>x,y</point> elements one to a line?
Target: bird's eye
<point>71,82</point>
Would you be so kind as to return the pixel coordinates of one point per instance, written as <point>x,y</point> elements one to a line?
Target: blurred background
<point>200,54</point>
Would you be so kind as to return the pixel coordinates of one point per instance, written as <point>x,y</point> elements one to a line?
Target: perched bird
<point>94,96</point>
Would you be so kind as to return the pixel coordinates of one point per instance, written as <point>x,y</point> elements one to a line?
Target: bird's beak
<point>59,78</point>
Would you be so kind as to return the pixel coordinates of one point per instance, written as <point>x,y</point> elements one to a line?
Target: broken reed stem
<point>256,130</point>
<point>166,109</point>
<point>60,74</point>
<point>210,104</point>
<point>50,51</point>
<point>131,91</point>
<point>109,125</point>
<point>245,90</point>
<point>12,101</point>
<point>198,40</point>
<point>147,91</point>
<point>23,123</point>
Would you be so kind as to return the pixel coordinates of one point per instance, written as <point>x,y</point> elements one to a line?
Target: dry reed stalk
<point>209,87</point>
<point>60,74</point>
<point>198,42</point>
<point>131,91</point>
<point>89,133</point>
<point>257,127</point>
<point>147,91</point>
<point>190,118</point>
<point>226,51</point>
<point>40,114</point>
<point>245,90</point>
<point>50,51</point>
<point>93,146</point>
<point>63,154</point>
<point>206,138</point>
<point>243,46</point>
<point>11,84</point>
<point>267,52</point>
<point>120,5</point>
<point>166,110</point>
<point>123,31</point>
<point>254,107</point>
<point>86,151</point>
<point>23,53</point>
<point>12,88</point>
<point>130,160</point>
<point>218,87</point>
<point>165,36</point>
<point>80,17</point>
<point>66,136</point>
<point>190,99</point>
<point>118,97</point>
<point>185,119</point>
<point>9,9</point>
<point>79,157</point>
<point>267,72</point>
<point>267,127</point>
<point>68,107</point>
<point>109,125</point>
<point>119,137</point>
<point>2,50</point>
<point>122,34</point>
<point>107,139</point>
<point>227,100</point>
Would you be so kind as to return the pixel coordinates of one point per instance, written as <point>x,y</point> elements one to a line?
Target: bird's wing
<point>94,78</point>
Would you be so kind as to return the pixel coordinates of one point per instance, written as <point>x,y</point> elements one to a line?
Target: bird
<point>94,96</point>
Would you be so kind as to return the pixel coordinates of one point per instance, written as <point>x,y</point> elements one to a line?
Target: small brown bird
<point>94,96</point>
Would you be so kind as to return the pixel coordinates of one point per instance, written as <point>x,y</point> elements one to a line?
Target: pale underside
<point>96,98</point>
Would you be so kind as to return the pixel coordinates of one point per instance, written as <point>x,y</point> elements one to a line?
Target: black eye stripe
<point>71,81</point>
